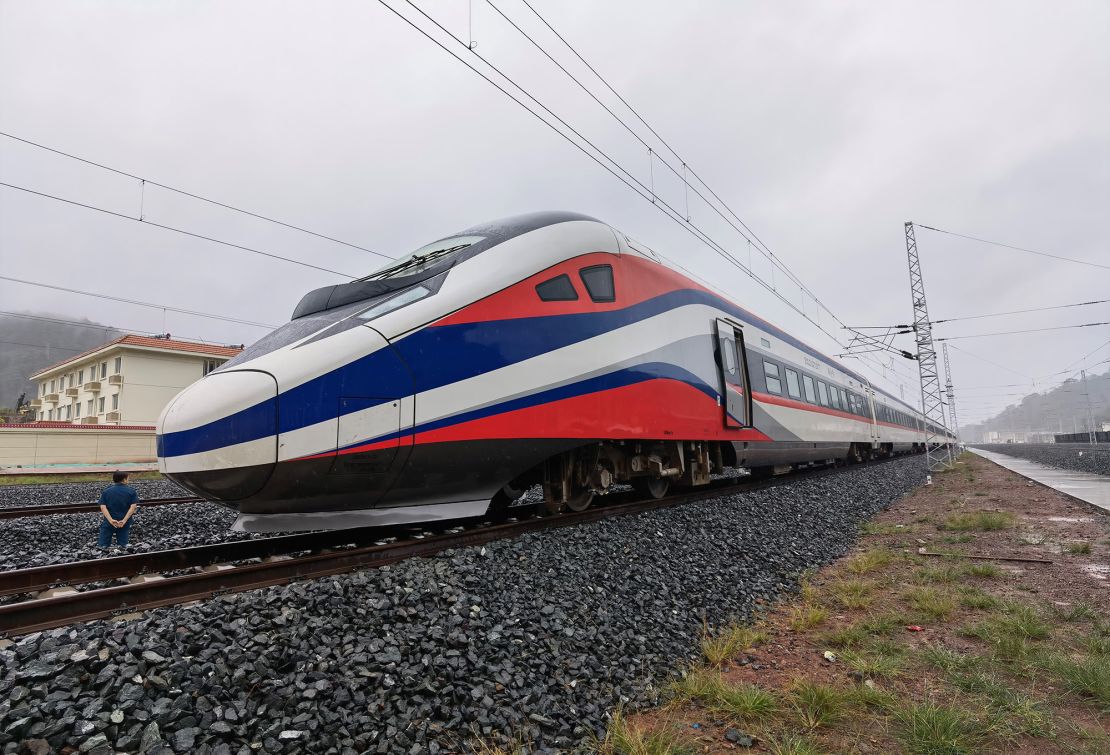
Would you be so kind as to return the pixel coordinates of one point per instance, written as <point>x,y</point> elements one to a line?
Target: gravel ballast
<point>61,538</point>
<point>81,492</point>
<point>1078,457</point>
<point>538,638</point>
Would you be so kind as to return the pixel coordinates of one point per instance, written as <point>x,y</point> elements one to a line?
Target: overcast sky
<point>824,126</point>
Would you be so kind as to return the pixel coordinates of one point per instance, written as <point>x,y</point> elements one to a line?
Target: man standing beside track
<point>118,503</point>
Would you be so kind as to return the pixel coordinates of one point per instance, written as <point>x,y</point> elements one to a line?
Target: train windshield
<point>423,257</point>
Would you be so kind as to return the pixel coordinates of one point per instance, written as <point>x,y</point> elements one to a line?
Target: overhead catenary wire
<point>1011,246</point>
<point>743,229</point>
<point>144,181</point>
<point>182,231</point>
<point>1017,332</point>
<point>94,326</point>
<point>1022,311</point>
<point>151,305</point>
<point>631,182</point>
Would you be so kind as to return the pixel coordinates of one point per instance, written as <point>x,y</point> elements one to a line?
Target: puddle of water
<point>1073,519</point>
<point>1098,571</point>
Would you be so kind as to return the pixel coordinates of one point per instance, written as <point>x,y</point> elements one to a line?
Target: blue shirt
<point>117,498</point>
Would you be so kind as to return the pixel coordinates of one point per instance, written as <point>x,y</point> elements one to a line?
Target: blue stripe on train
<point>618,379</point>
<point>438,356</point>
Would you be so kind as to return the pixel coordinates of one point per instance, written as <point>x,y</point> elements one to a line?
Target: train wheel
<point>580,500</point>
<point>650,487</point>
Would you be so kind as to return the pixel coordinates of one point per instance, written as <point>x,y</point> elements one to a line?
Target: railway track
<point>322,554</point>
<point>21,512</point>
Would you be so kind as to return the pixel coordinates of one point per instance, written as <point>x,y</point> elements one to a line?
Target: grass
<point>981,521</point>
<point>792,744</point>
<point>807,616</point>
<point>818,704</point>
<point>625,738</point>
<point>942,574</point>
<point>927,728</point>
<point>1087,677</point>
<point>1011,631</point>
<point>1079,549</point>
<point>725,645</point>
<point>984,571</point>
<point>958,539</point>
<point>949,661</point>
<point>930,603</point>
<point>875,663</point>
<point>882,624</point>
<point>743,702</point>
<point>1076,612</point>
<point>854,594</point>
<point>58,478</point>
<point>874,528</point>
<point>869,561</point>
<point>978,600</point>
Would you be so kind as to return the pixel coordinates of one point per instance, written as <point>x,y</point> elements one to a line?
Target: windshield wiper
<point>415,261</point>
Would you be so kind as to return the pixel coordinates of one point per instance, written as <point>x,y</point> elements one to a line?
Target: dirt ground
<point>893,649</point>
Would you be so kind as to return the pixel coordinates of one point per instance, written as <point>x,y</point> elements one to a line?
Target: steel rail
<point>21,512</point>
<point>47,613</point>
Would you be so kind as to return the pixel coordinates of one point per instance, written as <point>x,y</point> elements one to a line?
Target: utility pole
<point>950,393</point>
<point>936,458</point>
<point>1090,415</point>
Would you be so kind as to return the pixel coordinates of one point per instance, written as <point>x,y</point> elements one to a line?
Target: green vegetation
<point>723,646</point>
<point>65,477</point>
<point>931,729</point>
<point>625,738</point>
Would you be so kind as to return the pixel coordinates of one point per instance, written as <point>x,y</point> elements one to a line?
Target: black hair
<point>119,476</point>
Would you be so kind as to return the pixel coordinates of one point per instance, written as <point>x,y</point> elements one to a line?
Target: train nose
<point>218,438</point>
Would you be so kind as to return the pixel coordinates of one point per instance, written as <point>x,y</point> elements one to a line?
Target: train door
<point>732,365</point>
<point>872,424</point>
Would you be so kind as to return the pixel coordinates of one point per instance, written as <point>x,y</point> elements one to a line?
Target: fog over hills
<point>1060,410</point>
<point>28,344</point>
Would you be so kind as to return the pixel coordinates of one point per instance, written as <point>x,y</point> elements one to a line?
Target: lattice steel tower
<point>950,393</point>
<point>936,456</point>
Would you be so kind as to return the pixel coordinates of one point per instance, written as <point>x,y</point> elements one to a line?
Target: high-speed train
<point>542,349</point>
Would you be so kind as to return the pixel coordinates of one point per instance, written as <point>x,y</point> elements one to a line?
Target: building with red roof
<point>124,383</point>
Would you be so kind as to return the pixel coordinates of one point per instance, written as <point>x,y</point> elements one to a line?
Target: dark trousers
<point>107,532</point>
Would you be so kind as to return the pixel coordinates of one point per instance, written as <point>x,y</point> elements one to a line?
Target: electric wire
<point>1011,246</point>
<point>106,328</point>
<point>162,307</point>
<point>1022,311</point>
<point>764,249</point>
<point>1015,332</point>
<point>644,192</point>
<point>176,230</point>
<point>190,194</point>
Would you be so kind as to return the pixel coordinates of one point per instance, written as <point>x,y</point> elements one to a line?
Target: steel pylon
<point>938,455</point>
<point>950,394</point>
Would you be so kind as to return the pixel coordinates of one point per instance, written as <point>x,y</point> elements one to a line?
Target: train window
<point>558,288</point>
<point>792,386</point>
<point>834,396</point>
<point>764,343</point>
<point>774,385</point>
<point>811,393</point>
<point>416,293</point>
<point>599,282</point>
<point>822,393</point>
<point>731,362</point>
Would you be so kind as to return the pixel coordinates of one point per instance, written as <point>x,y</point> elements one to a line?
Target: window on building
<point>558,288</point>
<point>822,393</point>
<point>115,401</point>
<point>792,386</point>
<point>103,370</point>
<point>212,364</point>
<point>69,412</point>
<point>89,410</point>
<point>100,407</point>
<point>598,280</point>
<point>52,384</point>
<point>80,377</point>
<point>811,392</point>
<point>50,414</point>
<point>61,383</point>
<point>77,410</point>
<point>774,384</point>
<point>42,389</point>
<point>117,366</point>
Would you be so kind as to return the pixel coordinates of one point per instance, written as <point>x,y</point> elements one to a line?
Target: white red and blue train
<point>541,349</point>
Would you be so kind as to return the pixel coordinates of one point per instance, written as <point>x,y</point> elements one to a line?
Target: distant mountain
<point>1062,409</point>
<point>28,345</point>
